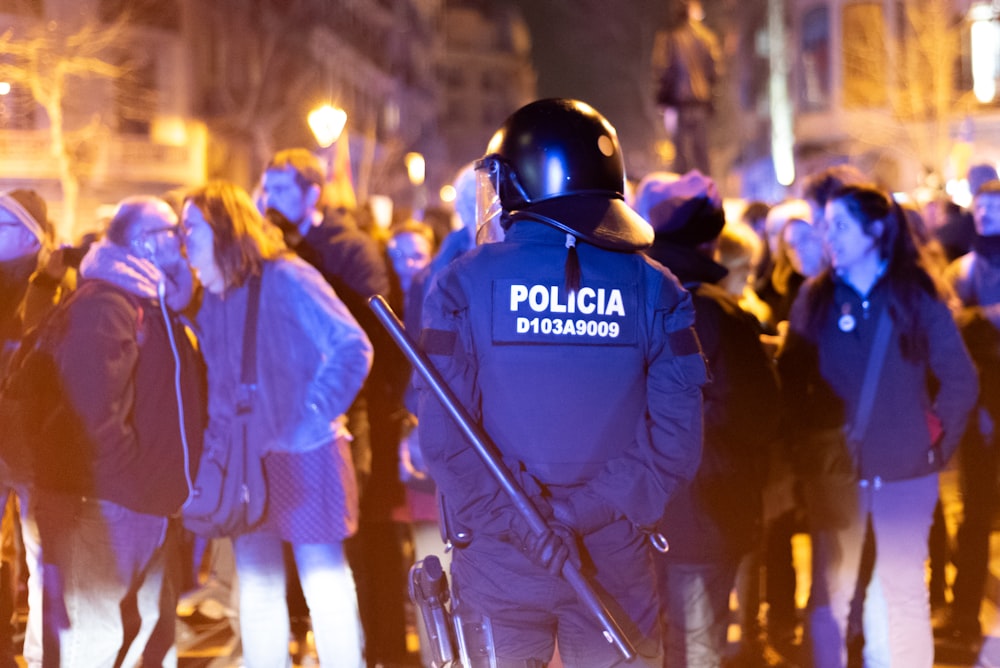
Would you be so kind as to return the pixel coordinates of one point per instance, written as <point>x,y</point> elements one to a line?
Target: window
<point>815,89</point>
<point>22,7</point>
<point>864,52</point>
<point>17,107</point>
<point>135,98</point>
<point>162,14</point>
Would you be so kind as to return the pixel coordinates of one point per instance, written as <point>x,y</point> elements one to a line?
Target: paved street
<point>207,644</point>
<point>989,653</point>
<point>205,638</point>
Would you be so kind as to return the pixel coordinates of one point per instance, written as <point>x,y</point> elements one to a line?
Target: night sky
<point>599,51</point>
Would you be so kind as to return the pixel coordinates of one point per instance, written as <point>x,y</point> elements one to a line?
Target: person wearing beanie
<point>979,175</point>
<point>25,234</point>
<point>687,218</point>
<point>714,522</point>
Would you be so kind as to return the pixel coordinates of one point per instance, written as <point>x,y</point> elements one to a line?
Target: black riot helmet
<point>558,161</point>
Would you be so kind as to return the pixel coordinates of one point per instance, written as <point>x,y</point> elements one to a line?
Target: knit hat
<point>684,210</point>
<point>30,210</point>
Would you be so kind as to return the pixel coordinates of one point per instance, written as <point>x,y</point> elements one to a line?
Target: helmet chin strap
<point>515,216</point>
<point>572,268</point>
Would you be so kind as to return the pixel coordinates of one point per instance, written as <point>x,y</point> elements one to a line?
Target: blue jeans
<point>98,559</point>
<point>695,601</point>
<point>32,651</point>
<point>328,586</point>
<point>896,615</point>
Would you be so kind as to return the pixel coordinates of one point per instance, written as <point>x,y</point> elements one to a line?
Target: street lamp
<point>326,123</point>
<point>416,170</point>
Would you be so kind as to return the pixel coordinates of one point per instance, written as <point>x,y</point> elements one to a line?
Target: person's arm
<point>356,261</point>
<point>472,497</point>
<point>342,347</point>
<point>180,285</point>
<point>797,365</point>
<point>745,404</point>
<point>47,287</point>
<point>97,360</point>
<point>950,362</point>
<point>666,64</point>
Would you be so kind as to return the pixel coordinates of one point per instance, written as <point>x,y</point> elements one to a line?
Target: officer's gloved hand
<point>552,548</point>
<point>584,511</point>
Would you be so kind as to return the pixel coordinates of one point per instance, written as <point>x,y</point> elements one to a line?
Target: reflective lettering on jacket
<point>597,313</point>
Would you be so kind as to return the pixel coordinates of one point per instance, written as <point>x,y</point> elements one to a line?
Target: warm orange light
<point>327,123</point>
<point>415,167</point>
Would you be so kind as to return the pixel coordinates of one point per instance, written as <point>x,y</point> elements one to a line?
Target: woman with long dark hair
<point>878,387</point>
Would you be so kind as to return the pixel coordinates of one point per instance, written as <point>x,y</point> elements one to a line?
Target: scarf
<point>108,262</point>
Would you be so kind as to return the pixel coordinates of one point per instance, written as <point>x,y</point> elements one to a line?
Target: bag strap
<point>872,372</point>
<point>248,370</point>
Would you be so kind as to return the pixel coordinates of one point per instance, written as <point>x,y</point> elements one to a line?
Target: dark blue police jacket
<point>597,391</point>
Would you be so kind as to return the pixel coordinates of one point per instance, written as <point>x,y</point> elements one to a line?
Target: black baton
<point>491,457</point>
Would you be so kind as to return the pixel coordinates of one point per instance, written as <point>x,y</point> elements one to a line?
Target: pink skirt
<point>313,495</point>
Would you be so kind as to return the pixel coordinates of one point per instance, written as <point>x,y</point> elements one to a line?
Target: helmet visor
<point>488,207</point>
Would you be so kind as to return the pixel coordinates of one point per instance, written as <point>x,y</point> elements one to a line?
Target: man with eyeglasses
<point>121,435</point>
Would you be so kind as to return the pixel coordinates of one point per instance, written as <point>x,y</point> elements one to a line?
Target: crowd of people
<point>677,393</point>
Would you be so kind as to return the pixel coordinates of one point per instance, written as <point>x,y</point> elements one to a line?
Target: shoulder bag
<point>833,455</point>
<point>832,452</point>
<point>229,496</point>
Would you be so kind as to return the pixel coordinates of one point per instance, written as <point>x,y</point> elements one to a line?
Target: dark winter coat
<point>115,427</point>
<point>822,376</point>
<point>718,516</point>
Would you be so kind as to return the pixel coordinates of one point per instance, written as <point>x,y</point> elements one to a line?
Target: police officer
<point>576,354</point>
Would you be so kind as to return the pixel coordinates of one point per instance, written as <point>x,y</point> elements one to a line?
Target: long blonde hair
<point>243,239</point>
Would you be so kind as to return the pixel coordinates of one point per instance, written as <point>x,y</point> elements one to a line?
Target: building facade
<point>485,72</point>
<point>168,93</point>
<point>904,90</point>
<point>94,108</point>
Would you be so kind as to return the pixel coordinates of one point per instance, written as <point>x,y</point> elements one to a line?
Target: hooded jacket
<point>127,373</point>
